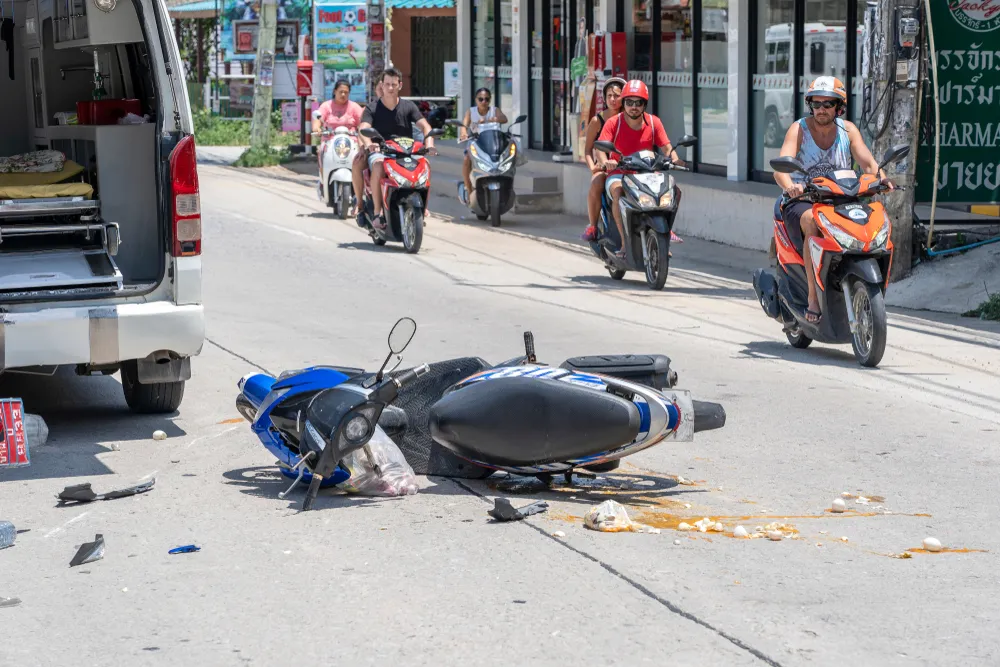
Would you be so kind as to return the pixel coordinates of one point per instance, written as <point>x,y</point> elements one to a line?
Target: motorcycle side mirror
<point>686,140</point>
<point>400,336</point>
<point>436,132</point>
<point>787,165</point>
<point>895,153</point>
<point>454,122</point>
<point>371,133</point>
<point>605,146</point>
<point>519,119</point>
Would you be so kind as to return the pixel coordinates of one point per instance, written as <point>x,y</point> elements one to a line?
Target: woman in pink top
<point>338,112</point>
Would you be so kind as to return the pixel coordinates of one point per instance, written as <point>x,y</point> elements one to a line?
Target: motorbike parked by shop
<point>494,154</point>
<point>405,189</point>
<point>466,418</point>
<point>851,260</point>
<point>337,153</point>
<point>649,204</point>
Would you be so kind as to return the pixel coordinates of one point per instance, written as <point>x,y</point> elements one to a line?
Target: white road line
<point>214,435</point>
<point>67,524</point>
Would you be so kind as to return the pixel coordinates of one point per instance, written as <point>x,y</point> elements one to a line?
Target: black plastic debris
<point>504,511</point>
<point>9,602</point>
<point>89,552</point>
<point>82,493</point>
<point>187,549</point>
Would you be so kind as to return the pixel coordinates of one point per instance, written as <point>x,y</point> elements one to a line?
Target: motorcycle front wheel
<point>345,201</point>
<point>869,338</point>
<point>411,223</point>
<point>495,207</point>
<point>657,259</point>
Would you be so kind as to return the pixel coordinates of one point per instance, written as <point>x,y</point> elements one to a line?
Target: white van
<point>100,227</point>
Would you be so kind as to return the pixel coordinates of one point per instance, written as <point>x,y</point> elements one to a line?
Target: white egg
<point>677,543</point>
<point>559,533</point>
<point>838,505</point>
<point>932,544</point>
<point>684,526</point>
<point>775,536</point>
<point>740,531</point>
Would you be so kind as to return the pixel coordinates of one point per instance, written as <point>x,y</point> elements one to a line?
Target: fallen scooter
<point>649,207</point>
<point>493,153</point>
<point>850,259</point>
<point>465,418</point>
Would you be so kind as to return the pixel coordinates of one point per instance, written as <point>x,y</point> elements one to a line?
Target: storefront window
<point>483,45</point>
<point>537,119</point>
<point>857,99</point>
<point>673,80</point>
<point>505,94</point>
<point>642,35</point>
<point>773,104</point>
<point>713,83</point>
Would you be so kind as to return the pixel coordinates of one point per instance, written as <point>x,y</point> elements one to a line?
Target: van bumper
<point>100,335</point>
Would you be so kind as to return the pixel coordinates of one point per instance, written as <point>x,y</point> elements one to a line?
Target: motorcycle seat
<point>521,421</point>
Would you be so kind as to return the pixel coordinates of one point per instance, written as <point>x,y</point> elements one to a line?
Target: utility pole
<point>260,131</point>
<point>890,117</point>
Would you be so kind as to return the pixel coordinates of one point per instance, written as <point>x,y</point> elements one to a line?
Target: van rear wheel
<point>155,398</point>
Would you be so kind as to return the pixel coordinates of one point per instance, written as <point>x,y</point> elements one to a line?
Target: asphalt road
<point>428,579</point>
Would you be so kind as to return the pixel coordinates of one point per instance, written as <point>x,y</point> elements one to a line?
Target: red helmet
<point>636,88</point>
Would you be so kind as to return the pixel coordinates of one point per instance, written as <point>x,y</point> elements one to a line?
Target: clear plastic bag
<point>397,477</point>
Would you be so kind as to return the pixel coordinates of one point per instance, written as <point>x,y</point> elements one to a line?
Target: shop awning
<point>420,4</point>
<point>201,9</point>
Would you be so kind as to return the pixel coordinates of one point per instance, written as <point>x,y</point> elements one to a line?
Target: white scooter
<point>337,153</point>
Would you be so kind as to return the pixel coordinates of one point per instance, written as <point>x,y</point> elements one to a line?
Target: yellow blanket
<point>70,170</point>
<point>40,191</point>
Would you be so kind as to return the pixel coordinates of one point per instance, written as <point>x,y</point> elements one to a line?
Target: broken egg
<point>559,533</point>
<point>838,505</point>
<point>159,435</point>
<point>677,543</point>
<point>740,531</point>
<point>718,527</point>
<point>775,535</point>
<point>684,526</point>
<point>932,544</point>
<point>844,539</point>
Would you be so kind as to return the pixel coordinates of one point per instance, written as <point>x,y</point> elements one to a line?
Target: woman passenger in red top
<point>631,131</point>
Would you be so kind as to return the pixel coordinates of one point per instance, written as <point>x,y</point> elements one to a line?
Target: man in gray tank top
<point>823,142</point>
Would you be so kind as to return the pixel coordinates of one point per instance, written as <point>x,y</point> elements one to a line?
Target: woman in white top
<point>474,117</point>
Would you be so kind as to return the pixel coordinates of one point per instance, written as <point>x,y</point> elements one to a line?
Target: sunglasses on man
<point>632,102</point>
<point>826,104</point>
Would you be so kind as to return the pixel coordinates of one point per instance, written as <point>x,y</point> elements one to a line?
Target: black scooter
<point>494,157</point>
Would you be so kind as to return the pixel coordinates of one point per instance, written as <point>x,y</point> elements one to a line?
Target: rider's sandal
<point>819,316</point>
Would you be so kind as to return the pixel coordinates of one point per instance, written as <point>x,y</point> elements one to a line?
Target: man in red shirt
<point>631,131</point>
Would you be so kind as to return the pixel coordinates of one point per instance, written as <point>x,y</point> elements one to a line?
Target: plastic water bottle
<point>7,534</point>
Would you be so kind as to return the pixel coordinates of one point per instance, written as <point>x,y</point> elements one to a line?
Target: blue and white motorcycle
<point>464,418</point>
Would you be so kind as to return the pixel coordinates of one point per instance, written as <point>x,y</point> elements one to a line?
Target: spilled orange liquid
<point>946,550</point>
<point>237,420</point>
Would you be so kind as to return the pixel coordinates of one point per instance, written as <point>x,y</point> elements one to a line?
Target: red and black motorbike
<point>405,189</point>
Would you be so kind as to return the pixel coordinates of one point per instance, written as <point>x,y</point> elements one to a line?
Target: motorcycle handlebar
<point>708,416</point>
<point>410,375</point>
<point>388,390</point>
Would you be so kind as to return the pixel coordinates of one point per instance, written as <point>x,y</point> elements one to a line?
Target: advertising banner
<point>239,24</point>
<point>966,36</point>
<point>341,46</point>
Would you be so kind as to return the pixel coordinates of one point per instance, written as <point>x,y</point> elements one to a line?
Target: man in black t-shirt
<point>391,117</point>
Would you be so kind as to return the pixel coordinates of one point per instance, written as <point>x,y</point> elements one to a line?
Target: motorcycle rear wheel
<point>616,274</point>
<point>797,339</point>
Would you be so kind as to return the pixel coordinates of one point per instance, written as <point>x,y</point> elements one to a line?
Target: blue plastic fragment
<point>190,548</point>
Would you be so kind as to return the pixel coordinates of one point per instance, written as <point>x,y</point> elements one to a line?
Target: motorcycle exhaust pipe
<point>708,416</point>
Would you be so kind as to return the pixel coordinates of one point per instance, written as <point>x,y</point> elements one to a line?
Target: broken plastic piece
<point>84,494</point>
<point>9,602</point>
<point>504,511</point>
<point>187,549</point>
<point>89,552</point>
<point>8,533</point>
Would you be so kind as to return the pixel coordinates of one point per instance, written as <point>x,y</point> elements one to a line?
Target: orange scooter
<point>851,259</point>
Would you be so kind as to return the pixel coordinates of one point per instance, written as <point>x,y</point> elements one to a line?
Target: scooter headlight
<point>357,428</point>
<point>342,147</point>
<point>880,240</point>
<point>846,241</point>
<point>401,180</point>
<point>667,199</point>
<point>643,199</point>
<point>422,179</point>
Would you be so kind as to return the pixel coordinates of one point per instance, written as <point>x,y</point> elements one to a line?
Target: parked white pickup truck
<point>100,220</point>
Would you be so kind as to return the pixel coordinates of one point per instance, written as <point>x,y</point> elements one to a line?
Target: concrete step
<point>538,202</point>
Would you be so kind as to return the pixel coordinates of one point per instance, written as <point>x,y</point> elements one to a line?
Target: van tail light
<point>186,232</point>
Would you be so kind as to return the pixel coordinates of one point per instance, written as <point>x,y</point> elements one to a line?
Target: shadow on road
<point>815,355</point>
<point>84,415</point>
